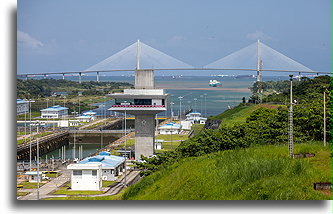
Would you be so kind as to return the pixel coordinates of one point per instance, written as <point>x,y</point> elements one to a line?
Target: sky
<point>62,35</point>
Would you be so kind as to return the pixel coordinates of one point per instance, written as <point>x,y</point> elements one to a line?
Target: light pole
<point>171,109</point>
<point>195,104</point>
<point>201,96</point>
<point>30,101</point>
<point>37,124</point>
<point>291,142</point>
<point>324,116</point>
<point>205,105</point>
<point>102,107</point>
<point>47,106</point>
<point>180,107</point>
<point>125,104</point>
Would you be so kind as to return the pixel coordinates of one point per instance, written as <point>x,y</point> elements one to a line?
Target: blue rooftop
<point>54,108</point>
<point>171,125</point>
<point>107,160</point>
<point>19,101</point>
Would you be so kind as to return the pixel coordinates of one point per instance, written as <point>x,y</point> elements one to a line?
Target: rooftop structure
<point>170,128</point>
<point>22,106</point>
<point>112,165</point>
<point>144,102</point>
<point>54,112</point>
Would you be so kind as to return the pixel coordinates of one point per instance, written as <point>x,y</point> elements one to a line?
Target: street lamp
<point>37,124</point>
<point>102,107</point>
<point>180,107</point>
<point>201,96</point>
<point>205,105</point>
<point>291,143</point>
<point>125,104</point>
<point>324,116</point>
<point>171,109</point>
<point>195,104</point>
<point>30,101</point>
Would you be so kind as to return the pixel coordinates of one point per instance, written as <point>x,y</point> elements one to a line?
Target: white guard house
<point>112,166</point>
<point>170,128</point>
<point>33,176</point>
<point>54,112</point>
<point>195,117</point>
<point>84,118</point>
<point>86,176</point>
<point>22,106</point>
<point>158,144</point>
<point>90,113</point>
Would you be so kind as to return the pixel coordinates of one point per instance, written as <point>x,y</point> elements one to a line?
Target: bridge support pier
<point>80,77</point>
<point>97,76</point>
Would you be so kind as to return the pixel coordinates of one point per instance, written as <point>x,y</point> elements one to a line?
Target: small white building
<point>84,118</point>
<point>33,176</point>
<point>22,106</point>
<point>170,128</point>
<point>86,176</point>
<point>54,112</point>
<point>195,117</point>
<point>186,124</point>
<point>112,166</point>
<point>90,113</point>
<point>74,122</point>
<point>158,144</point>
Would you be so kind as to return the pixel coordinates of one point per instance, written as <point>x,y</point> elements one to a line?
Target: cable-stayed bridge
<point>139,56</point>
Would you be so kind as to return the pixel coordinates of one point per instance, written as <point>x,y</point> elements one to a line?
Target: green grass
<point>256,173</point>
<point>34,137</point>
<point>107,183</point>
<point>31,185</point>
<point>52,175</point>
<point>21,193</point>
<point>197,128</point>
<point>239,113</point>
<point>110,197</point>
<point>168,137</point>
<point>65,191</point>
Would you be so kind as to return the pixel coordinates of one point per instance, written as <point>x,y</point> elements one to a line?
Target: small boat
<point>215,83</point>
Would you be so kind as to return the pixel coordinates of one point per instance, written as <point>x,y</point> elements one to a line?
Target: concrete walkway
<point>48,187</point>
<point>53,185</point>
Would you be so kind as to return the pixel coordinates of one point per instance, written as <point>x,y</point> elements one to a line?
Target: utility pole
<point>30,147</point>
<point>324,116</point>
<point>126,104</point>
<point>38,177</point>
<point>180,107</point>
<point>259,74</point>
<point>205,105</point>
<point>291,142</point>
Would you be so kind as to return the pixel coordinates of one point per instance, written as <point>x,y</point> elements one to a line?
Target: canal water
<point>90,144</point>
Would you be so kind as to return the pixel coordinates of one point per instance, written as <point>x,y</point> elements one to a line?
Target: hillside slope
<point>256,173</point>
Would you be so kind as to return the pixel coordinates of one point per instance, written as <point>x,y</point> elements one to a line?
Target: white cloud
<point>258,35</point>
<point>25,40</point>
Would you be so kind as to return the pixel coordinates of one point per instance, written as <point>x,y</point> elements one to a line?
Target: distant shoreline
<point>211,89</point>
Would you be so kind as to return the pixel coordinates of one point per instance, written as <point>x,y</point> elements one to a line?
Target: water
<point>190,87</point>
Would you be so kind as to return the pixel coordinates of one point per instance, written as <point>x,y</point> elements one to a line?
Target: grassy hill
<point>256,173</point>
<point>239,113</point>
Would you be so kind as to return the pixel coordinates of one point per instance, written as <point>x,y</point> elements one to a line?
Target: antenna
<point>138,56</point>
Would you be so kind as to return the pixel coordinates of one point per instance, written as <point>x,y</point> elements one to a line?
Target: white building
<point>54,112</point>
<point>33,176</point>
<point>86,176</point>
<point>195,117</point>
<point>84,118</point>
<point>158,144</point>
<point>22,106</point>
<point>112,166</point>
<point>186,124</point>
<point>170,128</point>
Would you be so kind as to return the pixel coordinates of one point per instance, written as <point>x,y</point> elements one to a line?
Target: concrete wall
<point>87,181</point>
<point>144,135</point>
<point>144,79</point>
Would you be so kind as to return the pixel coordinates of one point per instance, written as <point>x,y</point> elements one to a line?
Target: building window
<point>77,172</point>
<point>94,172</point>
